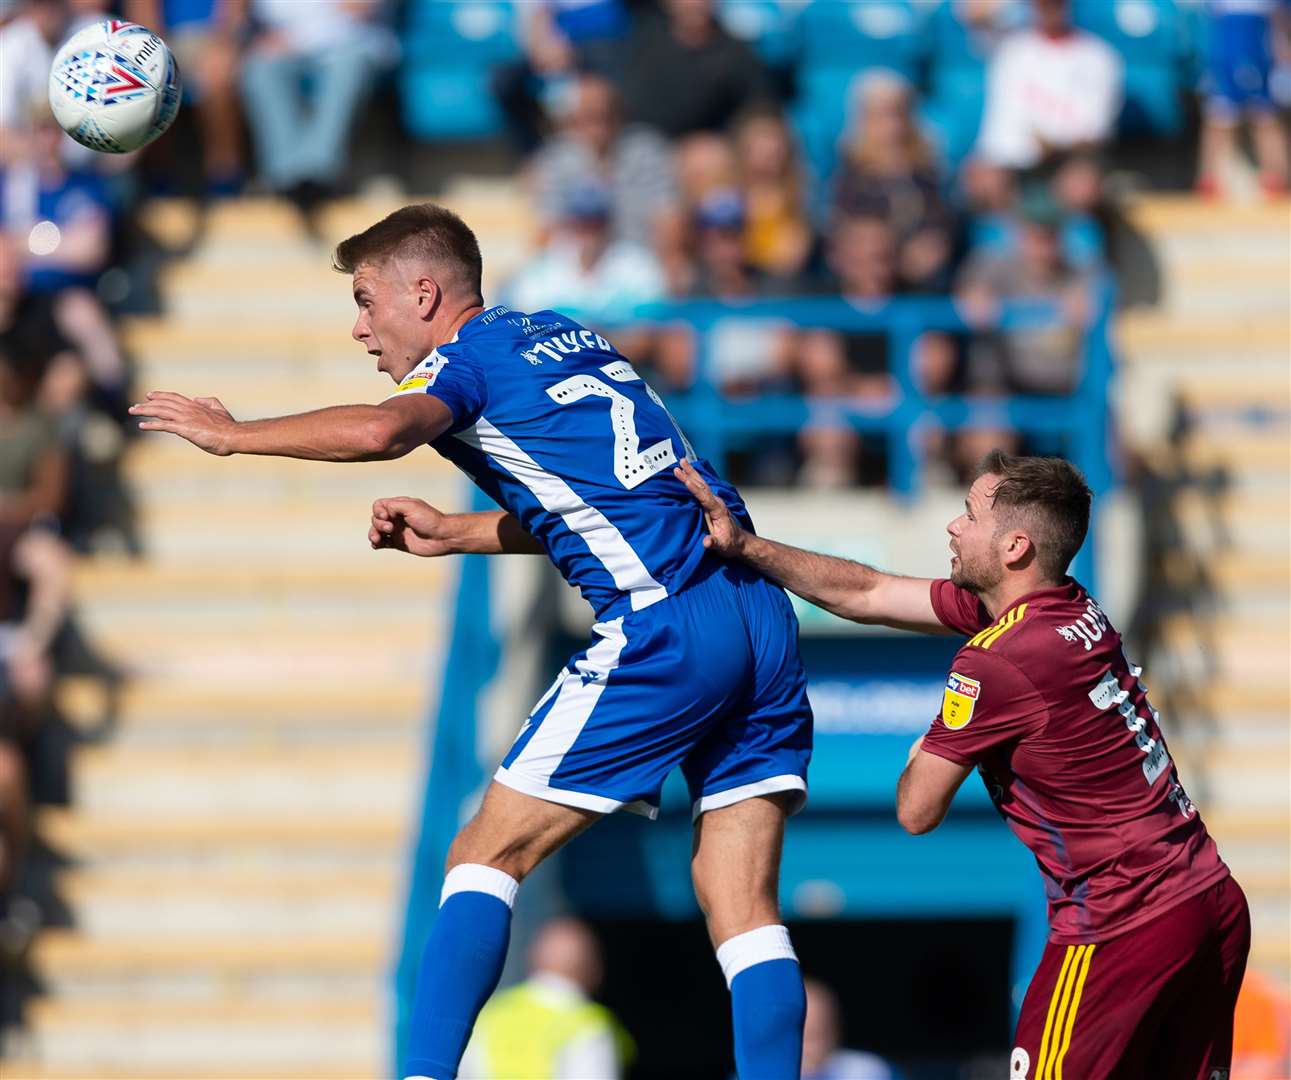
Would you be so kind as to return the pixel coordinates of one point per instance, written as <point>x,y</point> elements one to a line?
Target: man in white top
<point>548,1027</point>
<point>1050,88</point>
<point>27,45</point>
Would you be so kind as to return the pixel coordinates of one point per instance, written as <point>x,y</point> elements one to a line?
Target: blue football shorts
<point>1238,64</point>
<point>709,679</point>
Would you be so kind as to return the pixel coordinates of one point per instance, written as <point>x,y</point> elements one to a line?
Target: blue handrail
<point>714,421</point>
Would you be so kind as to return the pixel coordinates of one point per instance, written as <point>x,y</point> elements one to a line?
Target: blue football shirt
<point>555,426</point>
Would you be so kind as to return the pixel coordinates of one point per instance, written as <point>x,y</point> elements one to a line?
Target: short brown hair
<point>424,231</point>
<point>1047,496</point>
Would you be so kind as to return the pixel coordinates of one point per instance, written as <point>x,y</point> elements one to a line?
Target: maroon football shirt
<point>1045,704</point>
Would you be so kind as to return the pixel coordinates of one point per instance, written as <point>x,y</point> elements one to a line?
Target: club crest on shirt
<point>958,700</point>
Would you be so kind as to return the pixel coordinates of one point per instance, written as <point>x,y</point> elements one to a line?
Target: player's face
<point>976,562</point>
<point>395,308</point>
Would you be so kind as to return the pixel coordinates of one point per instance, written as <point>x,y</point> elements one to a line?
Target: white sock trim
<point>754,947</point>
<point>473,877</point>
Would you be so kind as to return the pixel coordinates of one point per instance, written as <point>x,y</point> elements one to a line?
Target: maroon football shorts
<point>1155,1002</point>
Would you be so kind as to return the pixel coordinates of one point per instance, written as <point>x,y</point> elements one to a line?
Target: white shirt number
<point>632,465</point>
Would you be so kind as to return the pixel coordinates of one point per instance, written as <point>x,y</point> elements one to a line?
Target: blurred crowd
<point>672,150</point>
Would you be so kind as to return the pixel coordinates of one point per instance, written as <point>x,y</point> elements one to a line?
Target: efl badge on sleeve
<point>958,701</point>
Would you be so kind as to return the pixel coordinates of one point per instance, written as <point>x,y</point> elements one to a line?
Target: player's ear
<point>1019,550</point>
<point>429,295</point>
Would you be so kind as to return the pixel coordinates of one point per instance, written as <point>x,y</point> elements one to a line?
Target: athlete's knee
<point>731,911</point>
<point>516,856</point>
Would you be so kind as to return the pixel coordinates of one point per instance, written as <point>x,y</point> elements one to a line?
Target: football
<point>114,86</point>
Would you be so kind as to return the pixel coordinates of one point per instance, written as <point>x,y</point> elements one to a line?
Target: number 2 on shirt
<point>632,465</point>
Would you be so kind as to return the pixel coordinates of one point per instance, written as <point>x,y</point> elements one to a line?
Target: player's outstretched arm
<point>414,526</point>
<point>339,433</point>
<point>848,589</point>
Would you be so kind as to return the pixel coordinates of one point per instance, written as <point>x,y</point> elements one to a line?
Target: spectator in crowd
<point>1050,89</point>
<point>991,196</point>
<point>1041,360</point>
<point>745,356</point>
<point>822,1055</point>
<point>778,236</point>
<point>301,133</point>
<point>1031,361</point>
<point>34,592</point>
<point>889,171</point>
<point>27,45</point>
<point>855,366</point>
<point>59,223</point>
<point>1242,37</point>
<point>635,164</point>
<point>683,72</point>
<point>585,272</point>
<point>549,1025</point>
<point>204,36</point>
<point>560,39</point>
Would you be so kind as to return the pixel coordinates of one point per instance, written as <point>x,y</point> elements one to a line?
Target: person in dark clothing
<point>684,73</point>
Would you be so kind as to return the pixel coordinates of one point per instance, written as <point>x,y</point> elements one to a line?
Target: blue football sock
<point>460,967</point>
<point>768,1005</point>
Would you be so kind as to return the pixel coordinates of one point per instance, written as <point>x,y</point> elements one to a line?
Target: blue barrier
<point>715,422</point>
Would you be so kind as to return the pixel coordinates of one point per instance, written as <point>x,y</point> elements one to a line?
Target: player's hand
<point>405,524</point>
<point>203,421</point>
<point>725,536</point>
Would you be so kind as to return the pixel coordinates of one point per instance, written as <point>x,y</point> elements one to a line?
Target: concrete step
<point>109,904</point>
<point>1187,345</point>
<point>1256,839</point>
<point>1266,451</point>
<point>1234,520</point>
<point>219,843</point>
<point>162,714</point>
<point>276,610</point>
<point>26,1068</point>
<point>107,579</point>
<point>197,968</point>
<point>1175,215</point>
<point>245,782</point>
<point>1243,778</point>
<point>172,471</point>
<point>272,649</point>
<point>259,1039</point>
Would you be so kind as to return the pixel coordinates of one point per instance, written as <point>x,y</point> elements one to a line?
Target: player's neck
<point>461,319</point>
<point>1009,591</point>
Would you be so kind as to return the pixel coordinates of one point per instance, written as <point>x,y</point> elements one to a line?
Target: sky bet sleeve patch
<point>958,701</point>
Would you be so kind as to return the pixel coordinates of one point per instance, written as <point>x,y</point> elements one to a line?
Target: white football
<point>114,86</point>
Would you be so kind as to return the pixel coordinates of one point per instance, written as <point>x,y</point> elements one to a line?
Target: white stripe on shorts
<point>569,713</point>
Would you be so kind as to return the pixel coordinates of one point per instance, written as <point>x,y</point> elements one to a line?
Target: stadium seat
<point>1150,36</point>
<point>450,50</point>
<point>820,116</point>
<point>858,35</point>
<point>766,25</point>
<point>952,111</point>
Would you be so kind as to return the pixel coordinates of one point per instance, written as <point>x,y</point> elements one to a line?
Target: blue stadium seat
<point>462,31</point>
<point>821,114</point>
<point>952,109</point>
<point>450,50</point>
<point>1151,37</point>
<point>766,25</point>
<point>860,34</point>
